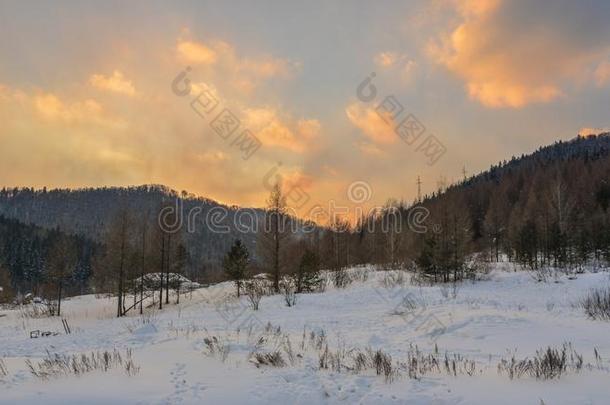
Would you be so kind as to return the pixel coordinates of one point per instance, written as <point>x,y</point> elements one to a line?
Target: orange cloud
<point>196,53</point>
<point>372,124</point>
<point>592,131</point>
<point>399,62</point>
<point>267,67</point>
<point>299,136</point>
<point>370,149</point>
<point>512,62</point>
<point>244,73</point>
<point>297,178</point>
<point>386,59</point>
<point>50,107</point>
<point>116,83</point>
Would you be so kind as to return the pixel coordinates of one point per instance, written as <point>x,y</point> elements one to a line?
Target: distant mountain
<point>89,212</point>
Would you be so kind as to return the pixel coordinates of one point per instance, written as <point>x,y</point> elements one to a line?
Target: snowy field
<point>319,342</point>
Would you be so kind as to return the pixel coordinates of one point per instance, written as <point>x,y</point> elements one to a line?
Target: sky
<point>117,93</point>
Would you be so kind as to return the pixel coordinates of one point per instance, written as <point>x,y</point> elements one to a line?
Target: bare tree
<point>119,245</point>
<point>274,234</point>
<point>61,262</point>
<point>180,261</point>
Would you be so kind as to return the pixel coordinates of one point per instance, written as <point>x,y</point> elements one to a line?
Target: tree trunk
<point>276,254</point>
<point>169,250</point>
<point>142,269</point>
<point>59,299</point>
<point>161,272</point>
<point>120,304</point>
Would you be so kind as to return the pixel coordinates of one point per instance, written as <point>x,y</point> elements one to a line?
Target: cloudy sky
<point>86,95</point>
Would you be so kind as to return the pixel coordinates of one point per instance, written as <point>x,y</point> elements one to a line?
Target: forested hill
<point>587,149</point>
<point>549,207</point>
<point>89,212</point>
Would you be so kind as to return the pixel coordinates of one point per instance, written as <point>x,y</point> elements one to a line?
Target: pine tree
<point>308,276</point>
<point>235,264</point>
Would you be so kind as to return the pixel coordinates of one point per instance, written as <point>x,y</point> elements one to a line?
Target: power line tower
<point>418,189</point>
<point>464,171</point>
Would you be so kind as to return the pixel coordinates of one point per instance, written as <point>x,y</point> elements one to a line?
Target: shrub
<point>597,304</point>
<point>273,359</point>
<point>549,363</point>
<point>341,278</point>
<point>254,290</point>
<point>217,348</point>
<point>288,289</point>
<point>393,278</point>
<point>308,274</point>
<point>383,365</point>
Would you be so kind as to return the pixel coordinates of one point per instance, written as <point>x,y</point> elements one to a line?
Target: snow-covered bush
<point>255,290</point>
<point>288,290</point>
<point>394,278</point>
<point>217,348</point>
<point>274,359</point>
<point>341,278</point>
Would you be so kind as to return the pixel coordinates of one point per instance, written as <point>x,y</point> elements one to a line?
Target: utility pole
<point>418,189</point>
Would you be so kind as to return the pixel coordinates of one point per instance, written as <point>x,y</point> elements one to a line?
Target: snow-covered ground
<point>509,313</point>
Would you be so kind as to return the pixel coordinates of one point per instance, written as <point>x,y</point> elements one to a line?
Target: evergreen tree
<point>235,264</point>
<point>308,275</point>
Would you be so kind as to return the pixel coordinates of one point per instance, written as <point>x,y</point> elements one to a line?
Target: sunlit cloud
<point>51,108</point>
<point>370,149</point>
<point>116,83</point>
<point>370,122</point>
<point>509,61</point>
<point>387,59</point>
<point>196,53</point>
<point>298,136</point>
<point>587,131</point>
<point>245,73</point>
<point>296,178</point>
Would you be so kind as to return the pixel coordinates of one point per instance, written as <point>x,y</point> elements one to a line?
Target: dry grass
<point>3,368</point>
<point>547,364</point>
<point>217,347</point>
<point>55,365</point>
<point>597,304</point>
